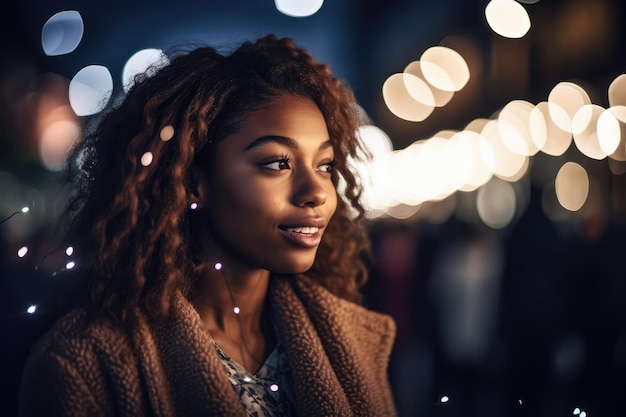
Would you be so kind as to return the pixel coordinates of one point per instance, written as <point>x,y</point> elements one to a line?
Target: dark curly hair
<point>132,224</point>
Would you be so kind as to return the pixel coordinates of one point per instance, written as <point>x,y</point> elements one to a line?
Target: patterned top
<point>269,392</point>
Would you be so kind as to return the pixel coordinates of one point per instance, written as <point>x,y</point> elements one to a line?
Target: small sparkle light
<point>31,309</point>
<point>247,379</point>
<point>583,414</point>
<point>70,265</point>
<point>520,402</point>
<point>25,209</point>
<point>21,252</point>
<point>274,387</point>
<point>193,205</point>
<point>167,133</point>
<point>69,251</point>
<point>218,266</point>
<point>576,411</point>
<point>146,159</point>
<point>445,399</point>
<point>236,310</point>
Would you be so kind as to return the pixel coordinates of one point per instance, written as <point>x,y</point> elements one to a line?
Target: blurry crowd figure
<point>526,321</point>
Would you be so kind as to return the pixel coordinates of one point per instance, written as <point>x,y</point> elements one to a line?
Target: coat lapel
<point>197,376</point>
<point>340,339</point>
<point>317,390</point>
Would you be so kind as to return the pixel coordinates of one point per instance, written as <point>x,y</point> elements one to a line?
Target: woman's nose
<point>310,189</point>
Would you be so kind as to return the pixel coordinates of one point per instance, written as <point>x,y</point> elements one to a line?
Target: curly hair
<point>132,222</point>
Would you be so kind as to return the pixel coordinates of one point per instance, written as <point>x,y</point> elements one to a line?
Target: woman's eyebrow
<point>282,140</point>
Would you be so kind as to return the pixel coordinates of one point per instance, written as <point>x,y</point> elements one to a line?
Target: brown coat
<point>338,353</point>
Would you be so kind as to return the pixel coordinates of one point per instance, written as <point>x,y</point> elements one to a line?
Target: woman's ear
<point>199,188</point>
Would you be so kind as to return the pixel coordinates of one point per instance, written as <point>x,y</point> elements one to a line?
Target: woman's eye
<point>327,167</point>
<point>278,165</point>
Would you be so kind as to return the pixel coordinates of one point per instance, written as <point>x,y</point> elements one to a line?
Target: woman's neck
<point>227,296</point>
<point>232,306</point>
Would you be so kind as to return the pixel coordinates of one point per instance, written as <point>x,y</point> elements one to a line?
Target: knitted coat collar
<point>338,353</point>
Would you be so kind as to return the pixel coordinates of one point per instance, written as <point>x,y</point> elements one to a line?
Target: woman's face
<point>270,195</point>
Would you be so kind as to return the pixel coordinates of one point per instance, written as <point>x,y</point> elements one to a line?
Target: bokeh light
<point>419,89</point>
<point>619,112</point>
<point>401,103</point>
<point>564,101</point>
<point>145,62</point>
<point>557,139</point>
<point>146,159</point>
<point>62,33</point>
<point>508,165</point>
<point>507,18</point>
<point>368,166</point>
<point>167,133</point>
<point>90,90</point>
<point>609,132</point>
<point>514,128</point>
<point>496,203</point>
<point>56,141</point>
<point>474,154</point>
<point>585,130</point>
<point>617,91</point>
<point>440,97</point>
<point>21,252</point>
<point>444,68</point>
<point>298,8</point>
<point>572,186</point>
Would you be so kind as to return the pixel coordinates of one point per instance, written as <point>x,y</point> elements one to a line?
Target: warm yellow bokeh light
<point>401,103</point>
<point>584,128</point>
<point>620,114</point>
<point>402,211</point>
<point>557,139</point>
<point>572,186</point>
<point>474,152</point>
<point>419,89</point>
<point>56,141</point>
<point>507,18</point>
<point>444,68</point>
<point>514,126</point>
<point>367,168</point>
<point>609,132</point>
<point>440,97</point>
<point>509,165</point>
<point>564,101</point>
<point>617,91</point>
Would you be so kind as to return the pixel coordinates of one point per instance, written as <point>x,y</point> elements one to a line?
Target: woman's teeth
<point>304,230</point>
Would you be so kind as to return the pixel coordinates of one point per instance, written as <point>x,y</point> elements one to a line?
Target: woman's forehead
<point>295,118</point>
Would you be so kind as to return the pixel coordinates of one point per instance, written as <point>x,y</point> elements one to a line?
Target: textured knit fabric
<point>338,353</point>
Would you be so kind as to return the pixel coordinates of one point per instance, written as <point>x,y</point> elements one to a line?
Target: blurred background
<point>496,194</point>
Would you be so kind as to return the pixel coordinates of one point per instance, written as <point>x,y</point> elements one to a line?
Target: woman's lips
<point>305,236</point>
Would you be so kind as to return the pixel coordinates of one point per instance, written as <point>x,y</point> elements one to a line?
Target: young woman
<point>223,268</point>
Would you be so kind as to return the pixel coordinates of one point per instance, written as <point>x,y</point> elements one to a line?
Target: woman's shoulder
<point>80,332</point>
